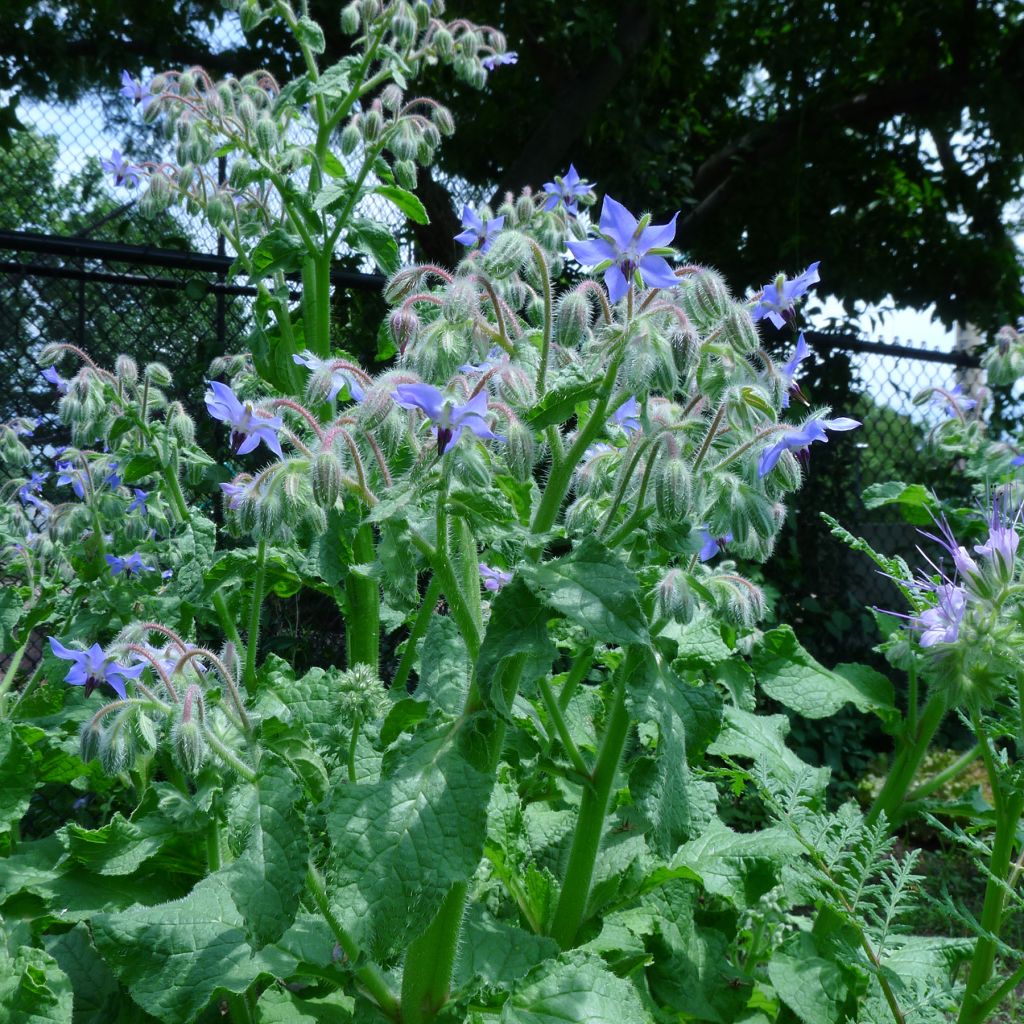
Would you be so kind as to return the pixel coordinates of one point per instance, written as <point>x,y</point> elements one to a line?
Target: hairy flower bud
<point>468,44</point>
<point>186,83</point>
<point>126,368</point>
<point>328,478</point>
<point>180,424</point>
<point>421,11</point>
<point>350,18</point>
<point>405,174</point>
<point>189,746</point>
<point>674,598</point>
<point>739,331</point>
<point>507,255</point>
<point>444,44</point>
<point>403,25</point>
<point>266,133</point>
<point>737,599</point>
<point>117,751</point>
<point>404,325</point>
<point>159,375</point>
<point>673,490</point>
<point>519,450</point>
<point>442,117</point>
<point>351,136</point>
<point>705,298</point>
<point>391,97</point>
<point>369,10</point>
<point>372,124</point>
<point>90,741</point>
<point>360,694</point>
<point>459,302</point>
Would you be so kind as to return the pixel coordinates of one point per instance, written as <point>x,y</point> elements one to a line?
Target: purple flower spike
<point>124,173</point>
<point>566,191</point>
<point>247,429</point>
<point>627,415</point>
<point>628,246</point>
<point>478,230</point>
<point>54,378</point>
<point>497,59</point>
<point>135,91</point>
<point>340,377</point>
<point>712,545</point>
<point>790,387</point>
<point>797,439</point>
<point>449,419</point>
<point>494,579</point>
<point>92,668</point>
<point>778,297</point>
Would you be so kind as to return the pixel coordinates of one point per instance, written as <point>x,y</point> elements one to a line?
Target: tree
<point>884,137</point>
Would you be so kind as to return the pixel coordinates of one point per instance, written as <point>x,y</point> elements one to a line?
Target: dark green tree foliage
<point>885,138</point>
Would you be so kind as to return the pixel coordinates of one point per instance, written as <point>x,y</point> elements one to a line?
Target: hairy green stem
<point>12,669</point>
<point>419,627</point>
<point>362,594</point>
<point>545,344</point>
<point>586,840</point>
<point>227,622</point>
<point>576,675</point>
<point>353,742</point>
<point>254,616</point>
<point>913,747</point>
<point>228,756</point>
<point>950,772</point>
<point>369,975</point>
<point>558,721</point>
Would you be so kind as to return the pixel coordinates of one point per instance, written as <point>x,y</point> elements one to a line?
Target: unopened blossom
<point>629,247</point>
<point>496,60</point>
<point>627,415</point>
<point>711,545</point>
<point>566,191</point>
<point>494,358</point>
<point>1000,549</point>
<point>128,564</point>
<point>798,439</point>
<point>54,378</point>
<point>138,503</point>
<point>93,667</point>
<point>235,493</point>
<point>247,429</point>
<point>340,377</point>
<point>494,579</point>
<point>135,90</point>
<point>123,172</point>
<point>449,419</point>
<point>778,298</point>
<point>789,371</point>
<point>478,231</point>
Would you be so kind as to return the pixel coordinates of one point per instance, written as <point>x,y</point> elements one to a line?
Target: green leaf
<point>17,776</point>
<point>408,203</point>
<point>11,609</point>
<point>445,666</point>
<point>559,404</point>
<point>699,643</point>
<point>174,957</point>
<point>812,987</point>
<point>278,250</point>
<point>518,627</point>
<point>310,34</point>
<point>139,466</point>
<point>118,848</point>
<point>279,1006</point>
<point>916,503</point>
<point>97,993</point>
<point>33,988</point>
<point>267,879</point>
<point>788,674</point>
<point>740,866</point>
<point>763,738</point>
<point>577,988</point>
<point>376,241</point>
<point>333,196</point>
<point>404,841</point>
<point>591,587</point>
<point>497,953</point>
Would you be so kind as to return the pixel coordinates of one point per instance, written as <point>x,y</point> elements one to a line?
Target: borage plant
<point>515,818</point>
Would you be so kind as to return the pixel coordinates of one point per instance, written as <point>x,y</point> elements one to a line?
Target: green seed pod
<point>328,476</point>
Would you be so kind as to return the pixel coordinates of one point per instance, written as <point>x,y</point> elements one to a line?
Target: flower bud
<point>391,97</point>
<point>350,18</point>
<point>507,255</point>
<point>737,599</point>
<point>328,479</point>
<point>351,137</point>
<point>442,117</point>
<point>216,210</point>
<point>189,746</point>
<point>186,83</point>
<point>403,25</point>
<point>372,124</point>
<point>519,450</point>
<point>405,174</point>
<point>90,741</point>
<point>361,694</point>
<point>705,298</point>
<point>369,10</point>
<point>49,354</point>
<point>180,424</point>
<point>674,598</point>
<point>444,44</point>
<point>185,176</point>
<point>582,517</point>
<point>404,325</point>
<point>116,749</point>
<point>126,369</point>
<point>468,44</point>
<point>739,331</point>
<point>421,11</point>
<point>788,474</point>
<point>672,489</point>
<point>404,139</point>
<point>459,302</point>
<point>266,133</point>
<point>159,375</point>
